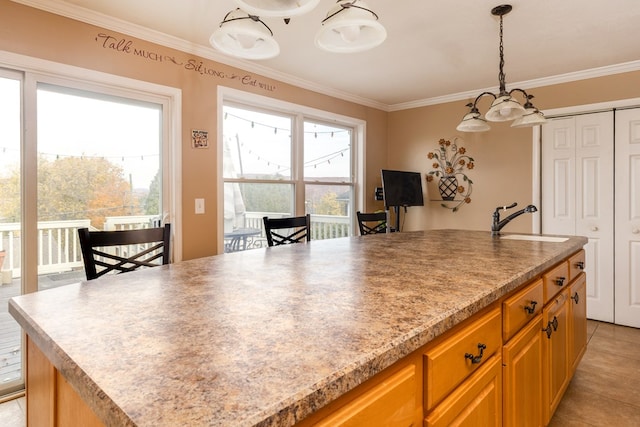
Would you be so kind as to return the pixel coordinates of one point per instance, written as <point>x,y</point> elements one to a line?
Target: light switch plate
<point>199,206</point>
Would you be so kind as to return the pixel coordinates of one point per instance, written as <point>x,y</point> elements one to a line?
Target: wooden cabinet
<point>477,402</point>
<point>578,321</point>
<point>51,401</point>
<point>520,308</point>
<point>522,377</point>
<point>392,402</point>
<point>555,339</point>
<point>449,363</point>
<point>555,280</point>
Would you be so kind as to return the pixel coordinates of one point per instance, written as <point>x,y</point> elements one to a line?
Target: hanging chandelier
<point>504,107</point>
<point>350,26</point>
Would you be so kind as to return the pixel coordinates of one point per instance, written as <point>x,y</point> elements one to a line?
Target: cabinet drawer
<point>448,364</point>
<point>555,280</point>
<point>576,265</point>
<point>392,402</point>
<point>518,309</point>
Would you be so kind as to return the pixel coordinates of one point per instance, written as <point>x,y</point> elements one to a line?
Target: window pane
<point>98,167</point>
<point>257,145</point>
<point>245,204</point>
<point>327,153</point>
<point>330,207</point>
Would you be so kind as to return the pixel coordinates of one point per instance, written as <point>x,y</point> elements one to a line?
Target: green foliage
<point>267,197</point>
<point>73,188</point>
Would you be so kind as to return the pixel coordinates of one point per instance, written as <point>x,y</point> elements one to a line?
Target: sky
<point>68,124</point>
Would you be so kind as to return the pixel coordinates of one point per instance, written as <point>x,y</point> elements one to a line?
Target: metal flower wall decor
<point>450,166</point>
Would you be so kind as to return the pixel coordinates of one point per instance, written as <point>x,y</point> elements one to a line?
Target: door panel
<point>577,178</point>
<point>627,218</point>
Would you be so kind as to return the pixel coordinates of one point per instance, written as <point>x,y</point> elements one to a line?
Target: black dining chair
<point>282,231</point>
<point>130,249</point>
<point>372,223</point>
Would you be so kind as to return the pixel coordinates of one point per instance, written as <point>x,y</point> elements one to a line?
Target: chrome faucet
<point>497,225</point>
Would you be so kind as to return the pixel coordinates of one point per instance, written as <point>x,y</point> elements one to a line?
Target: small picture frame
<point>199,138</point>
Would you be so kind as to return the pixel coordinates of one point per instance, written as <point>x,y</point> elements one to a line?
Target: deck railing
<point>59,247</point>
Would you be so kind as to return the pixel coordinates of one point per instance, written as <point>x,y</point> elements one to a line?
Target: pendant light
<point>245,36</point>
<point>504,106</point>
<point>278,8</point>
<point>350,26</point>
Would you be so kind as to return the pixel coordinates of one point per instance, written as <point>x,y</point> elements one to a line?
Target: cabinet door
<point>477,402</point>
<point>522,377</point>
<point>555,351</point>
<point>578,312</point>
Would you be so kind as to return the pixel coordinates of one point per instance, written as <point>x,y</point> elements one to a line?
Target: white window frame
<point>37,70</point>
<point>226,94</point>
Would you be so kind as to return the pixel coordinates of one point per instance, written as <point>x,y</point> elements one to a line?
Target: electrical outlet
<point>199,206</point>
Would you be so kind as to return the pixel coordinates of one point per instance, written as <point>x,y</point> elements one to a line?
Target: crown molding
<point>527,84</point>
<point>78,13</point>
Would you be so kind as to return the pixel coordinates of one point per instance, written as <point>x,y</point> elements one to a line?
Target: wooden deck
<point>10,336</point>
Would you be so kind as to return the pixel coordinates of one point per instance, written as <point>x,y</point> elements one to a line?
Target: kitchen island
<point>270,336</point>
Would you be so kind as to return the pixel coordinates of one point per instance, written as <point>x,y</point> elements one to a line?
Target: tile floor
<point>603,392</point>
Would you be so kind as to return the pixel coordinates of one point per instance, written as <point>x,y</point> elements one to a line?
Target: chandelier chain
<point>501,76</point>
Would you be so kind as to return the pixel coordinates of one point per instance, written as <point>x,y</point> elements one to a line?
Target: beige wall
<point>397,140</point>
<point>39,34</point>
<point>503,156</point>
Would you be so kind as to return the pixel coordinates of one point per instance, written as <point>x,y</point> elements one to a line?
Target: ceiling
<point>436,50</point>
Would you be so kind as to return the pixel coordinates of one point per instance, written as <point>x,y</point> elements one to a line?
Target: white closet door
<point>628,217</point>
<point>577,197</point>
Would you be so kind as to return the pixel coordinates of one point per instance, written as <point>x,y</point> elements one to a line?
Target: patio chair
<point>372,223</point>
<point>133,249</point>
<point>296,229</point>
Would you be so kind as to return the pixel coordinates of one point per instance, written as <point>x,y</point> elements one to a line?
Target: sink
<point>534,238</point>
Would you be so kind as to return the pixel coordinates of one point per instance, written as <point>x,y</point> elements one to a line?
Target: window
<point>286,161</point>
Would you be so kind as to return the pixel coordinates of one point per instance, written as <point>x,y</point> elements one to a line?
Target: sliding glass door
<point>74,154</point>
<point>10,214</point>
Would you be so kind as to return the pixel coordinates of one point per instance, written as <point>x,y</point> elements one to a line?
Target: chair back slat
<point>154,243</point>
<point>372,223</point>
<point>289,230</point>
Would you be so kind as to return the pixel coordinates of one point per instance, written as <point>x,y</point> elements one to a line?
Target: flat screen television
<point>401,188</point>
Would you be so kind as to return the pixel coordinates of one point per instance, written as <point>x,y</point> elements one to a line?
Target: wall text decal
<point>126,46</point>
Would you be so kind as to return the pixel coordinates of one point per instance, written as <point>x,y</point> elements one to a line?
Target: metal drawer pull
<point>478,358</point>
<point>532,308</point>
<point>560,281</point>
<point>576,297</point>
<point>552,325</point>
<point>580,265</point>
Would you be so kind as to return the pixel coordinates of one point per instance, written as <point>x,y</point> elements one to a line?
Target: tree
<point>73,188</point>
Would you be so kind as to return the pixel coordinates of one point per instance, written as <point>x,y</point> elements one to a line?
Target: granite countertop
<point>266,337</point>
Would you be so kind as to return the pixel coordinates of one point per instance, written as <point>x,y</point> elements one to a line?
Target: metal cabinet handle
<point>548,330</point>
<point>576,297</point>
<point>531,308</point>
<point>552,326</point>
<point>636,231</point>
<point>478,358</point>
<point>560,281</point>
<point>580,265</point>
<point>594,228</point>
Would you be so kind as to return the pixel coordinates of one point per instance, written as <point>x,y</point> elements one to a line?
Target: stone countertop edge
<point>307,399</point>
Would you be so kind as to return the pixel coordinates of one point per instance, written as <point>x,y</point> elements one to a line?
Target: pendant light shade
<point>473,122</point>
<point>277,8</point>
<point>244,36</point>
<point>531,117</point>
<point>504,106</point>
<point>350,26</point>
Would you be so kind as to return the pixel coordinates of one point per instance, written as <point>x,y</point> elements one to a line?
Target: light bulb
<point>505,112</point>
<point>245,41</point>
<point>349,33</point>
